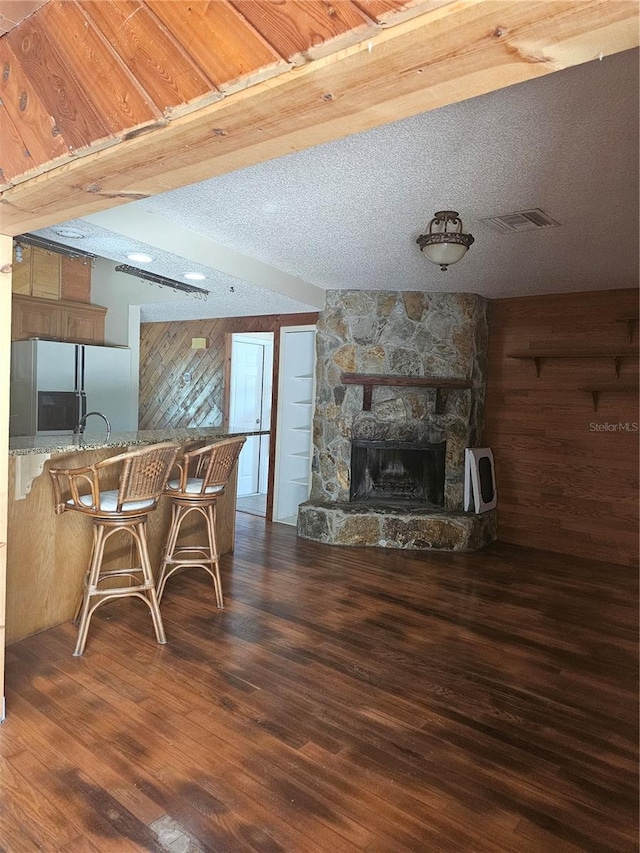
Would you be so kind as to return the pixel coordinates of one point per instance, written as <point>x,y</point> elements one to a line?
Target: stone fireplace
<point>400,380</point>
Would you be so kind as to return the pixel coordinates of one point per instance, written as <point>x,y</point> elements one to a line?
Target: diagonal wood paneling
<point>166,355</point>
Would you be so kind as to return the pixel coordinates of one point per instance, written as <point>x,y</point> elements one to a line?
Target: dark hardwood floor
<point>345,699</point>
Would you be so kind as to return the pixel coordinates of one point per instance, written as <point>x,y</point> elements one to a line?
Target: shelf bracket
<point>595,396</point>
<point>616,365</point>
<point>367,393</point>
<point>631,323</point>
<point>536,361</point>
<point>27,469</point>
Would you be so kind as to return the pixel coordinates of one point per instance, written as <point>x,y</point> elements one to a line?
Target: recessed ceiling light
<point>70,233</point>
<point>194,276</point>
<point>140,257</point>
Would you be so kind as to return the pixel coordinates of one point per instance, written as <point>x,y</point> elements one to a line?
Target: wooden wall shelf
<point>537,357</point>
<point>368,380</point>
<point>597,390</point>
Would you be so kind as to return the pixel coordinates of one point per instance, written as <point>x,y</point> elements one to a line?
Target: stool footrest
<point>122,590</point>
<point>177,557</point>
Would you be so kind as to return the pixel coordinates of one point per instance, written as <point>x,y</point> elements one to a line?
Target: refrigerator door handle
<point>82,356</point>
<point>77,387</point>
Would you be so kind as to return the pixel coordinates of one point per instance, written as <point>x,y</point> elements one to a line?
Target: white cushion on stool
<point>109,502</point>
<point>194,486</point>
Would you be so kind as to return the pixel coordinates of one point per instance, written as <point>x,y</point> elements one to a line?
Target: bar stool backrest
<point>144,473</point>
<point>141,476</point>
<point>212,465</point>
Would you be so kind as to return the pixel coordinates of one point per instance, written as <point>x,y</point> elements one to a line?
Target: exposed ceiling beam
<point>459,51</point>
<point>153,230</point>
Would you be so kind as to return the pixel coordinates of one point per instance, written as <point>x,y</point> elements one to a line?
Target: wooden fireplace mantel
<point>368,380</point>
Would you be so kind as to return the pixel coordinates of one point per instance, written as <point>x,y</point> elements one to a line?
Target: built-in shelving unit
<point>294,445</point>
<point>537,357</point>
<point>369,380</point>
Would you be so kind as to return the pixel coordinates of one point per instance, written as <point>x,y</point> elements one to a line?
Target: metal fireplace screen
<point>397,471</point>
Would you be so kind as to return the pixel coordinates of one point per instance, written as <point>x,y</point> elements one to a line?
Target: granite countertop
<point>23,445</point>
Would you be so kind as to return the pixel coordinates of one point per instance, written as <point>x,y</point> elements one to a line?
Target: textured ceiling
<point>346,214</point>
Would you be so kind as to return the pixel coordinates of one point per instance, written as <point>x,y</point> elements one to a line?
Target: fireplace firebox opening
<point>397,471</point>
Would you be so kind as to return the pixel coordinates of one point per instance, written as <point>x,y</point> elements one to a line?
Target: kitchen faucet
<point>83,422</point>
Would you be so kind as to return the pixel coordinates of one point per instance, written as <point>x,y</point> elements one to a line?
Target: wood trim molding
<point>447,55</point>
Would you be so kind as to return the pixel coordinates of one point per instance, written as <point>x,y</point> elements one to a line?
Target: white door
<point>296,389</point>
<point>250,406</point>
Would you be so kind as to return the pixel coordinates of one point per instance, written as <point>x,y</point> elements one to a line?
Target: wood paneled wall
<point>166,399</point>
<point>567,475</point>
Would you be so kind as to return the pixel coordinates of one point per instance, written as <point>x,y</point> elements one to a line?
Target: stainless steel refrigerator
<point>54,384</point>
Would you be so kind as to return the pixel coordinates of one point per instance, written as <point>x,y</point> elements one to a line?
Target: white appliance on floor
<point>54,384</point>
<point>480,493</point>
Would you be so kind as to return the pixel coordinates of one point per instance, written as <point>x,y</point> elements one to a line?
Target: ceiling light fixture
<point>69,233</point>
<point>194,276</point>
<point>444,243</point>
<point>163,281</point>
<point>140,257</point>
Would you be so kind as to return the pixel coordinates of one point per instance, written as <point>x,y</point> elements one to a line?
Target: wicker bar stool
<point>204,474</point>
<point>141,477</point>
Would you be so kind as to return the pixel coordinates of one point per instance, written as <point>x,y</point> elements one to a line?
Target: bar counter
<point>48,554</point>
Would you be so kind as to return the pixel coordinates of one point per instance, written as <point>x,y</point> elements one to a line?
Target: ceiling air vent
<point>522,220</point>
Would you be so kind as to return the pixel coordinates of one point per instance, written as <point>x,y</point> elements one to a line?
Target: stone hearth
<point>407,334</point>
<point>394,526</point>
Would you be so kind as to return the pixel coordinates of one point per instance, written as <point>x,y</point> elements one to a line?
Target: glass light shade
<point>445,244</point>
<point>444,254</point>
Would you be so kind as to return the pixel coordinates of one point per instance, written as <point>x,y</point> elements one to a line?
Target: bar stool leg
<point>91,584</point>
<point>172,562</point>
<point>148,581</point>
<point>169,548</point>
<point>213,554</point>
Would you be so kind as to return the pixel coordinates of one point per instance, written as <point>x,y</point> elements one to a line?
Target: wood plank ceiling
<point>14,11</point>
<point>104,101</point>
<point>149,61</point>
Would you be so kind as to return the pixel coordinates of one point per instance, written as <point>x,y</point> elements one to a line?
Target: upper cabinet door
<point>45,274</point>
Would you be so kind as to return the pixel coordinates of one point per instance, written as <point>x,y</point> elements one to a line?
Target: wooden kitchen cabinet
<point>84,325</point>
<point>75,280</point>
<point>48,275</point>
<point>21,272</point>
<point>45,274</point>
<point>32,317</point>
